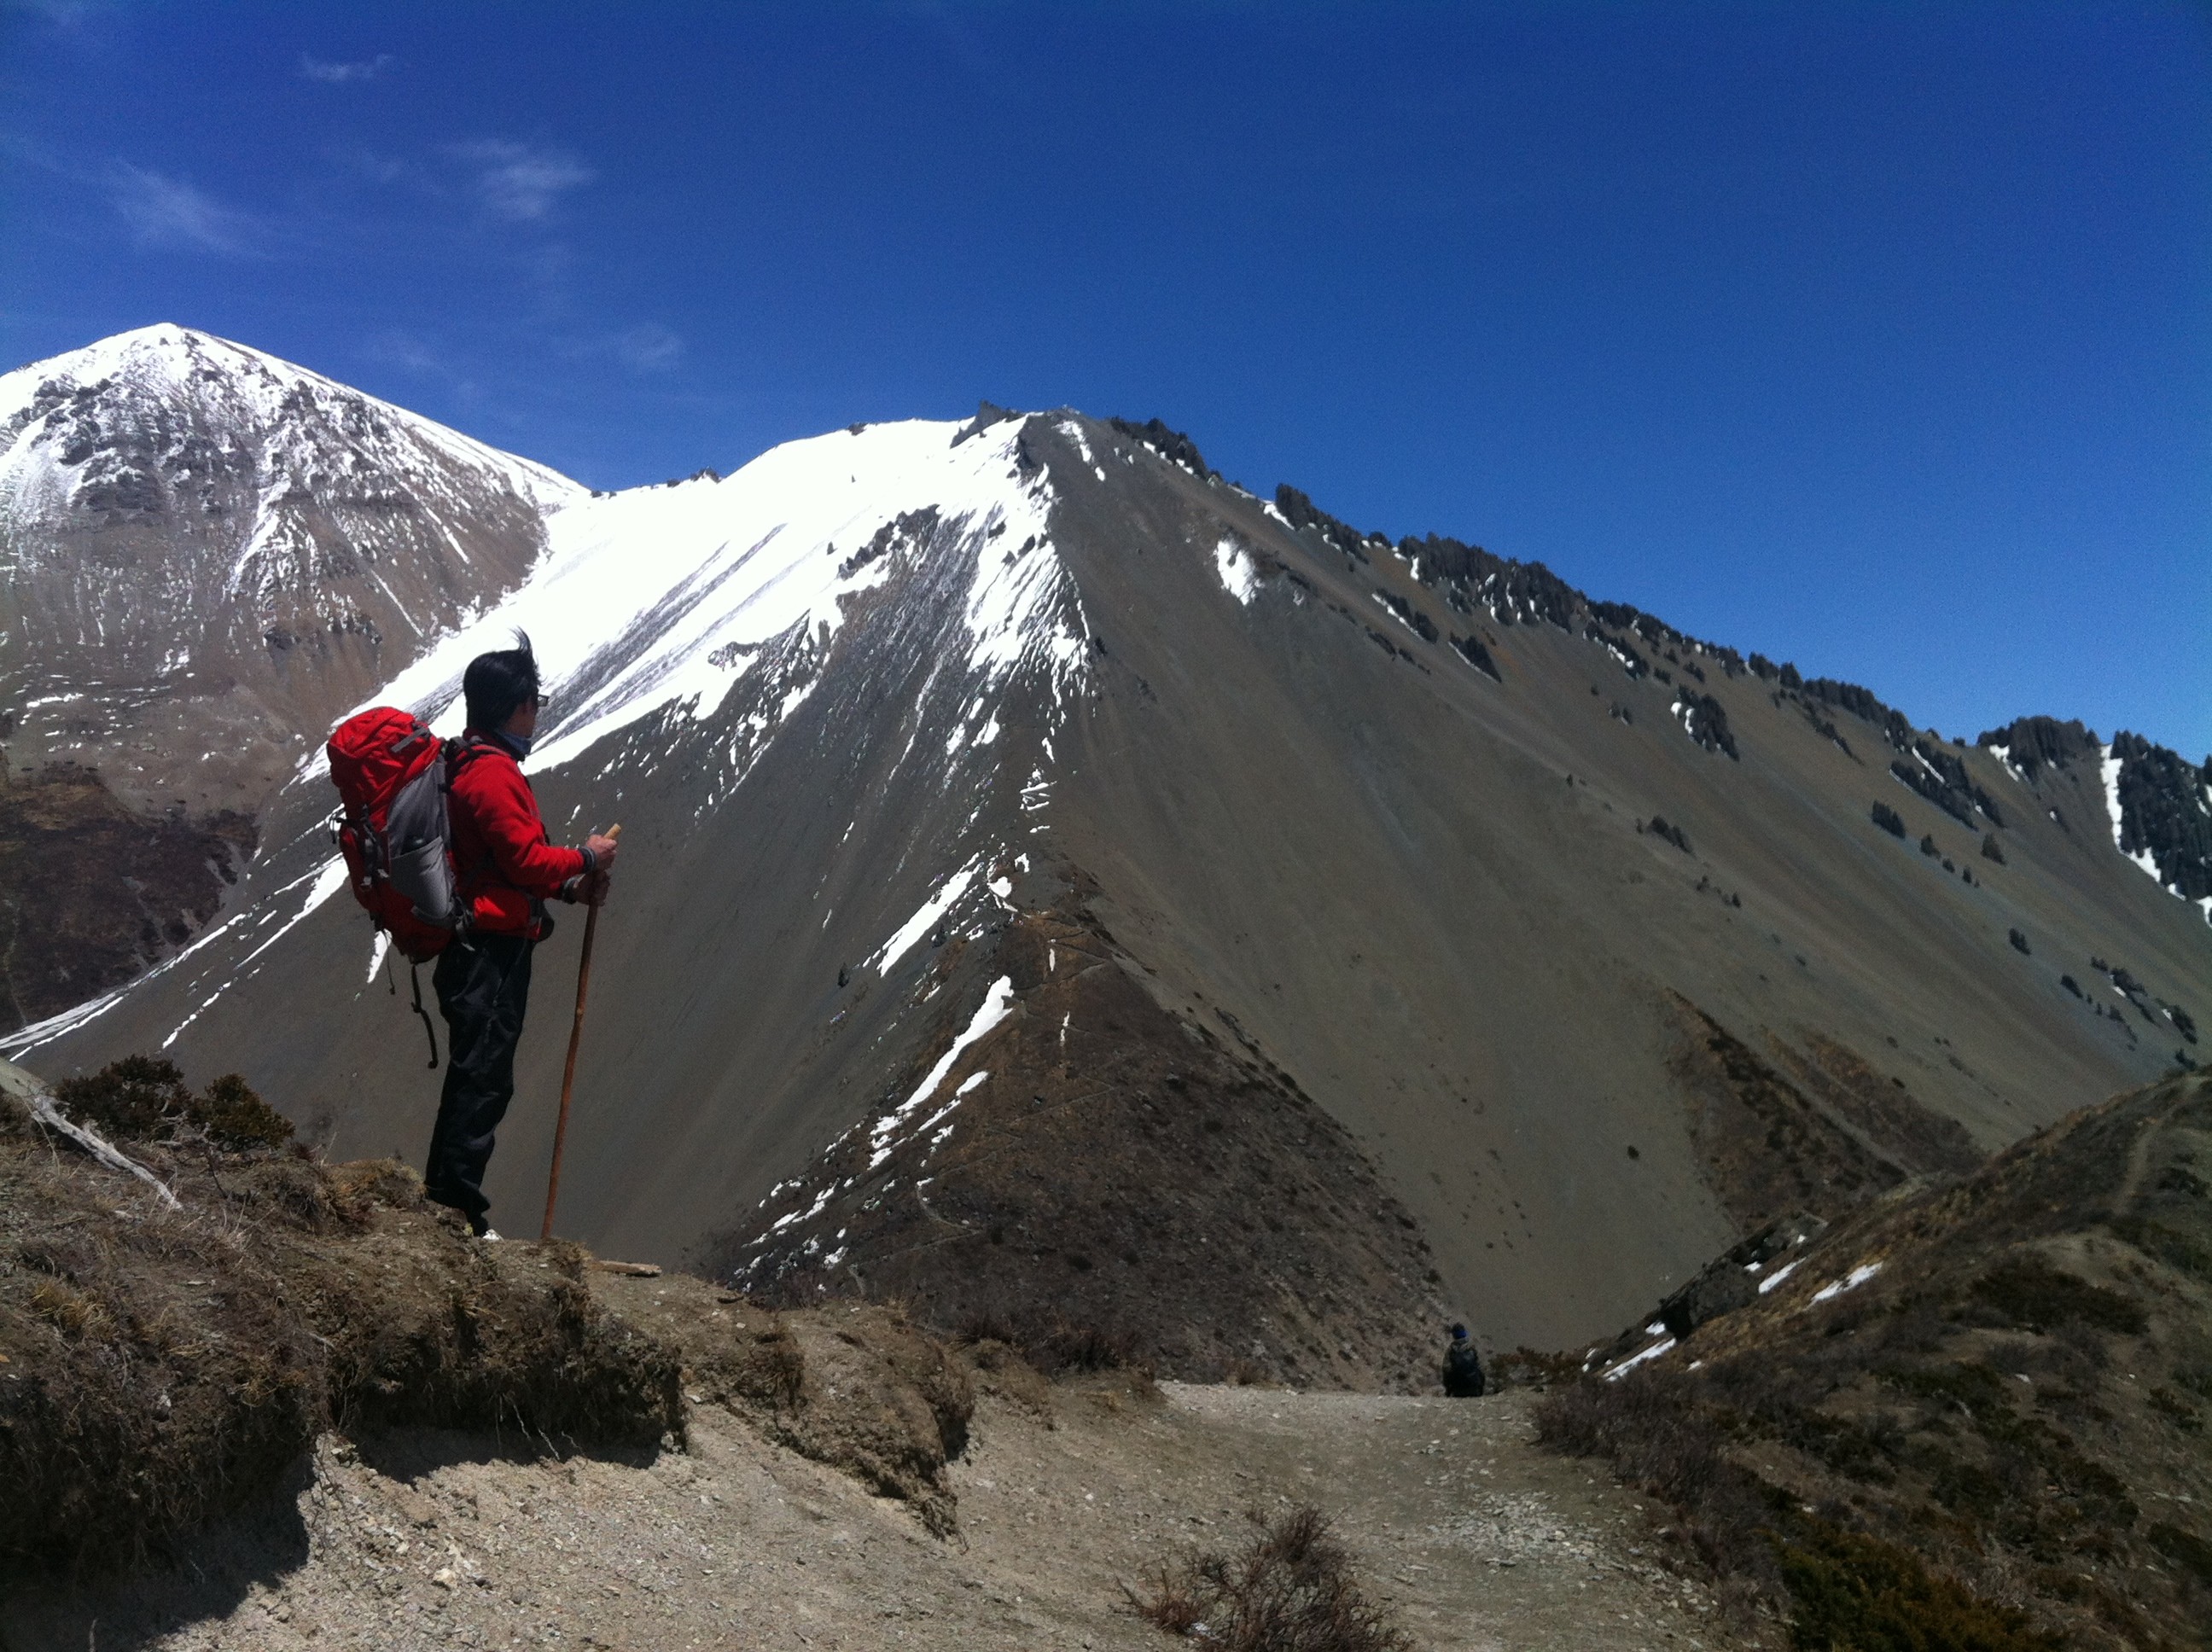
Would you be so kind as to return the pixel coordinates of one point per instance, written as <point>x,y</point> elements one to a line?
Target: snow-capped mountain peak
<point>208,551</point>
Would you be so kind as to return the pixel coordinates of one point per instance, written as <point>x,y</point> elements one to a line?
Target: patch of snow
<point>1635,1359</point>
<point>1073,432</point>
<point>971,1081</point>
<point>1852,1281</point>
<point>1779,1275</point>
<point>1238,575</point>
<point>924,919</point>
<point>997,1004</point>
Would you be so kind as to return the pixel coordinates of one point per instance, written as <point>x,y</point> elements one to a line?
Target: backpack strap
<point>415,975</point>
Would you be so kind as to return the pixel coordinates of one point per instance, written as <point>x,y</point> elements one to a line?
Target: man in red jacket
<point>506,870</point>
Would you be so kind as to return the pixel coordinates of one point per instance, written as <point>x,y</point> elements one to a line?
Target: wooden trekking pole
<point>568,1073</point>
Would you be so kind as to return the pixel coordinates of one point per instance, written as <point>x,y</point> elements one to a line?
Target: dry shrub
<point>2186,1550</point>
<point>130,1099</point>
<point>237,1119</point>
<point>1291,1589</point>
<point>1858,1594</point>
<point>1528,1368</point>
<point>140,1097</point>
<point>2027,1291</point>
<point>1649,1426</point>
<point>1055,1346</point>
<point>1068,1347</point>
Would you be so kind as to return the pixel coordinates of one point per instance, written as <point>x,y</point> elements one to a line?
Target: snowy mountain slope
<point>1054,879</point>
<point>205,555</point>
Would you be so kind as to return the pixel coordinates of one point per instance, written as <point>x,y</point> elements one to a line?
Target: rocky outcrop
<point>1706,721</point>
<point>91,890</point>
<point>1170,444</point>
<point>1942,778</point>
<point>2033,743</point>
<point>1305,519</point>
<point>2165,812</point>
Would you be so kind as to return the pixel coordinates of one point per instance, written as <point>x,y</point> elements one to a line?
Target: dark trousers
<point>484,987</point>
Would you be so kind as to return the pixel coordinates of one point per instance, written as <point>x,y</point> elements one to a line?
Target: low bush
<point>1853,1593</point>
<point>2026,1290</point>
<point>1291,1589</point>
<point>2186,1550</point>
<point>1651,1428</point>
<point>144,1098</point>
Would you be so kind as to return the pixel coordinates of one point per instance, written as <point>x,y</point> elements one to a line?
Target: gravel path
<point>1477,1538</point>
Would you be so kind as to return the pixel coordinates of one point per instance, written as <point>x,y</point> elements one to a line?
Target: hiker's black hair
<point>495,683</point>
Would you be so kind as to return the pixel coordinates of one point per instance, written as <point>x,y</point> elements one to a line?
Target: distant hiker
<point>1463,1367</point>
<point>505,871</point>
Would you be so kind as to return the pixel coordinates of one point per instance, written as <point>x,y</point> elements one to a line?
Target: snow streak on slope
<point>667,597</point>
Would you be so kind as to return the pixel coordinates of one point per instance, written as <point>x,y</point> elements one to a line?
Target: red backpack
<point>392,775</point>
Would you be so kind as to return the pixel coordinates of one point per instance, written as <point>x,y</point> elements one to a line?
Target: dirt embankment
<point>1455,1523</point>
<point>161,1366</point>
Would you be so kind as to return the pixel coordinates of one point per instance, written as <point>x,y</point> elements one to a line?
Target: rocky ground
<point>1064,1495</point>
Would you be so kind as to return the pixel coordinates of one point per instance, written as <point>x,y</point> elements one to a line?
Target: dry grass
<point>1291,1588</point>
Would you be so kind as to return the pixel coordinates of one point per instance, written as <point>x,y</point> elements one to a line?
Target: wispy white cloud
<point>165,211</point>
<point>520,182</point>
<point>375,169</point>
<point>648,347</point>
<point>337,74</point>
<point>403,349</point>
<point>62,14</point>
<point>397,347</point>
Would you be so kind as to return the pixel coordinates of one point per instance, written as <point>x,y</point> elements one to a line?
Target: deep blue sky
<point>1877,336</point>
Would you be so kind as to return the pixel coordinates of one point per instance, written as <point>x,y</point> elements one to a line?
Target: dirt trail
<point>431,1540</point>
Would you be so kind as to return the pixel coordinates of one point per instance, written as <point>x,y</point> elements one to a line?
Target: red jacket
<point>503,863</point>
